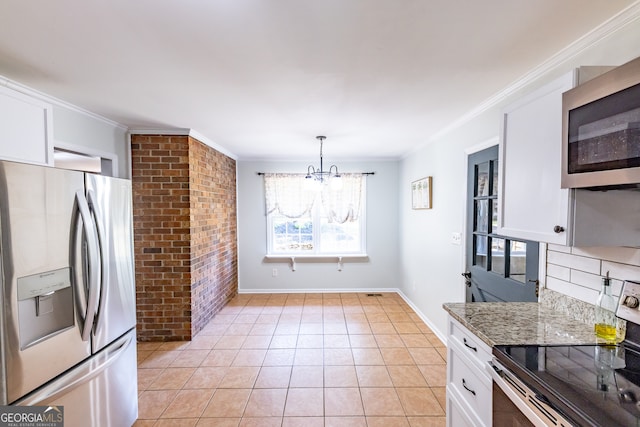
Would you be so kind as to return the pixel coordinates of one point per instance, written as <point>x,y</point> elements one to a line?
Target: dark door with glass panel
<point>498,268</point>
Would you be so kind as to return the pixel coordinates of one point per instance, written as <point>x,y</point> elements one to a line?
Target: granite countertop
<point>519,323</point>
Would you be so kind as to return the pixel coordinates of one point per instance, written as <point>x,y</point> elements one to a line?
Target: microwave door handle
<point>93,264</point>
<point>101,284</point>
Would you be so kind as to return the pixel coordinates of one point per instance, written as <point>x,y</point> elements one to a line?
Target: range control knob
<point>631,302</point>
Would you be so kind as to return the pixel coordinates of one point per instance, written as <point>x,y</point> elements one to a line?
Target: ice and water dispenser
<point>45,305</point>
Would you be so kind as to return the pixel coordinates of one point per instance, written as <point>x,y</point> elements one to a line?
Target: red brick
<point>185,203</point>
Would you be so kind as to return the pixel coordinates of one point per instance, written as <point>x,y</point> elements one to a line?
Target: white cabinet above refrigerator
<point>26,128</point>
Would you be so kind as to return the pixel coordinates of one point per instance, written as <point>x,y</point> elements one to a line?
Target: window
<point>305,217</point>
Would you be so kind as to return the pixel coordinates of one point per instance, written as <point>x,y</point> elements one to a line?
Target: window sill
<point>316,256</point>
<point>294,259</point>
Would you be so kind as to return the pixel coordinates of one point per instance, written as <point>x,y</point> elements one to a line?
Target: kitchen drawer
<point>469,344</point>
<point>458,415</point>
<point>472,388</point>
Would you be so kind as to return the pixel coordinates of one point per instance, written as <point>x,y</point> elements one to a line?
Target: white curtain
<point>342,204</point>
<point>288,194</point>
<point>293,196</point>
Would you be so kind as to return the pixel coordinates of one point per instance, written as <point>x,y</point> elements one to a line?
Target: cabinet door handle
<point>558,229</point>
<point>464,384</point>
<point>469,346</point>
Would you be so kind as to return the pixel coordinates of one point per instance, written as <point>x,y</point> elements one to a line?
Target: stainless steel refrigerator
<point>67,312</point>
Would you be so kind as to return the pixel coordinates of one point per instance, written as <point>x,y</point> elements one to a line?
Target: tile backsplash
<point>578,272</point>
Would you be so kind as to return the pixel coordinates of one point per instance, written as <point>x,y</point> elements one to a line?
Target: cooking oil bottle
<point>606,320</point>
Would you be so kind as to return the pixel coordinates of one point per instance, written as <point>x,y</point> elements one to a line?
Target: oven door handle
<point>503,379</point>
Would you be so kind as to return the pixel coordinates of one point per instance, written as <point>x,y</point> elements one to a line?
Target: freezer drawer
<point>100,392</point>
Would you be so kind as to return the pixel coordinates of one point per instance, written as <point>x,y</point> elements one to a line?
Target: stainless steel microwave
<point>601,131</point>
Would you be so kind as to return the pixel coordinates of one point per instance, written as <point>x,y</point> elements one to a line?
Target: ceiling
<point>262,78</point>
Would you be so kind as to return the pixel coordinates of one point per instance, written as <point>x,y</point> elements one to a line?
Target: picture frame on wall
<point>421,193</point>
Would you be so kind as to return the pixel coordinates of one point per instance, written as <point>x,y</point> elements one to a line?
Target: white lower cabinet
<point>469,383</point>
<point>457,414</point>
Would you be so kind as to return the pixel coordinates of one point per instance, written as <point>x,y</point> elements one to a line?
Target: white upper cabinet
<point>25,128</point>
<point>532,206</point>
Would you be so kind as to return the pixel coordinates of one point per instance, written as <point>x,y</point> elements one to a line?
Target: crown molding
<point>607,28</point>
<point>184,132</point>
<point>18,87</point>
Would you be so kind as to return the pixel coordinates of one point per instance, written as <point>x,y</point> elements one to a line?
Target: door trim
<point>480,146</point>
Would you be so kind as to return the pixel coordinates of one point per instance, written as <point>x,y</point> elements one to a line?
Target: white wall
<point>380,272</point>
<point>77,130</point>
<point>431,265</point>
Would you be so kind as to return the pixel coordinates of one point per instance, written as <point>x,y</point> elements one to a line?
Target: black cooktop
<point>592,385</point>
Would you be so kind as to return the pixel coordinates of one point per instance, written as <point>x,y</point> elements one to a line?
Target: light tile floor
<point>333,360</point>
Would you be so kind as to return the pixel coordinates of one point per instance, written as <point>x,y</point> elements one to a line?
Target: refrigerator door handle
<point>94,267</point>
<point>101,284</point>
<point>84,373</point>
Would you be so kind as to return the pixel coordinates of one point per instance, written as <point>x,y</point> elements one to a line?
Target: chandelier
<point>321,175</point>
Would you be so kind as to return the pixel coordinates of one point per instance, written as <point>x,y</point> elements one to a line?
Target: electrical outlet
<point>274,272</point>
<point>456,238</point>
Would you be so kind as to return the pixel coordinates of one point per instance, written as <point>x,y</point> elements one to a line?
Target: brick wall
<point>214,261</point>
<point>184,214</point>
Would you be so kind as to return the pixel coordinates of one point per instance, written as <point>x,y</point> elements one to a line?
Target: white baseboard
<point>424,318</point>
<point>318,291</point>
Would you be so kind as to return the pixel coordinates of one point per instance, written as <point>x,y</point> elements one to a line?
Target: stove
<point>585,385</point>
